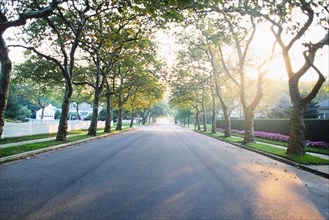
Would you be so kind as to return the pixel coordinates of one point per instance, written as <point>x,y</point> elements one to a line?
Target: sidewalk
<point>27,154</point>
<point>33,141</point>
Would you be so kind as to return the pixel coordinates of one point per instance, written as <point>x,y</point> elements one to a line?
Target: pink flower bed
<point>281,137</point>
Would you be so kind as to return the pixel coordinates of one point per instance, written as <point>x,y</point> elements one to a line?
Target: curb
<point>272,156</point>
<point>56,147</point>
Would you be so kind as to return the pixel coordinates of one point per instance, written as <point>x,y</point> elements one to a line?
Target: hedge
<point>316,129</point>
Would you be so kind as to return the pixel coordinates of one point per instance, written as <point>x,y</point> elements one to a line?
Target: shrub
<point>282,138</point>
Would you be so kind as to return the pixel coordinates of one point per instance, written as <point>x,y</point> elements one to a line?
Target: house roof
<point>324,104</point>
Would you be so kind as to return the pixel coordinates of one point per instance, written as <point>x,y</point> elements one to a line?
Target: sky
<point>261,46</point>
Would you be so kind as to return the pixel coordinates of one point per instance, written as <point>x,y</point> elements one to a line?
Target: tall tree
<point>238,30</point>
<point>14,16</point>
<point>65,28</point>
<point>282,17</point>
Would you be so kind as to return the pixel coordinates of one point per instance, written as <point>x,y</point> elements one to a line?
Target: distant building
<point>48,114</point>
<point>324,109</point>
<point>85,109</point>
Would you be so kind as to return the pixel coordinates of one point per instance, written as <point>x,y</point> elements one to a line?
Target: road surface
<point>159,172</point>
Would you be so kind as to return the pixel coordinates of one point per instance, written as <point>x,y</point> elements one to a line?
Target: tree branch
<point>23,17</point>
<point>57,62</point>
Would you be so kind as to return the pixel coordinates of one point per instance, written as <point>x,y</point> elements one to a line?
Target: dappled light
<point>282,188</point>
<point>148,82</point>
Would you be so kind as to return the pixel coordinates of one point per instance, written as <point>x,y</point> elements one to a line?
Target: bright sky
<point>261,46</point>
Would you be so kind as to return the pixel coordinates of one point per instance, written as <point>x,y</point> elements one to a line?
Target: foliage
<point>15,109</point>
<point>311,110</point>
<point>316,129</point>
<point>282,109</point>
<point>57,114</point>
<point>282,138</point>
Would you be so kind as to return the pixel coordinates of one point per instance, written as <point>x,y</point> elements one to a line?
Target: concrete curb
<point>56,147</point>
<point>272,156</point>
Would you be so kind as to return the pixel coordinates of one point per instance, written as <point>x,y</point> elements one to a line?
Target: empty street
<point>159,172</point>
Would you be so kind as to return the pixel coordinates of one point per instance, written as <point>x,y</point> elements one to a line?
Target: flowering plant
<point>281,138</point>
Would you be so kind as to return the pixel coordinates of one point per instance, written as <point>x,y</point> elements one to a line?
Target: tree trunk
<point>132,118</point>
<point>119,124</point>
<point>249,127</point>
<point>94,120</point>
<point>227,129</point>
<point>62,127</point>
<point>77,110</point>
<point>296,142</point>
<point>108,120</point>
<point>227,119</point>
<point>197,120</point>
<point>213,116</point>
<point>5,80</point>
<point>144,117</point>
<point>204,118</point>
<point>42,112</point>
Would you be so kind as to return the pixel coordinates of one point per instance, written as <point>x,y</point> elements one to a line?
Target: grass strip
<point>306,159</point>
<point>35,146</point>
<point>4,152</point>
<point>234,139</point>
<point>284,144</point>
<point>10,140</point>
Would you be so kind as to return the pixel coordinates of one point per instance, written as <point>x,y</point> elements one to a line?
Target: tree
<point>15,109</point>
<point>183,115</point>
<point>106,37</point>
<point>65,28</point>
<point>238,30</point>
<point>38,81</point>
<point>9,19</point>
<point>311,110</point>
<point>282,17</point>
<point>282,108</point>
<point>220,82</point>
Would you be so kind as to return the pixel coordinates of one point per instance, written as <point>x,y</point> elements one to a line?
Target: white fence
<point>42,127</point>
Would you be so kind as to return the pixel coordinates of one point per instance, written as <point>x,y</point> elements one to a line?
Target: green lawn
<point>307,159</point>
<point>10,140</point>
<point>34,146</point>
<point>284,144</point>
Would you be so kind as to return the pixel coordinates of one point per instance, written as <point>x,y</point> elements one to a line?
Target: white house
<point>324,109</point>
<point>48,114</point>
<point>84,109</point>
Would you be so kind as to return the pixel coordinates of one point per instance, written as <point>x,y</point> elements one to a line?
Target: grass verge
<point>284,144</point>
<point>4,152</point>
<point>10,140</point>
<point>306,159</point>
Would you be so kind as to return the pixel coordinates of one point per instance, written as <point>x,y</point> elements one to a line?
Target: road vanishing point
<point>160,171</point>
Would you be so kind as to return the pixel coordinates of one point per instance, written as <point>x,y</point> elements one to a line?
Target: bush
<point>282,138</point>
<point>316,129</point>
<point>57,114</point>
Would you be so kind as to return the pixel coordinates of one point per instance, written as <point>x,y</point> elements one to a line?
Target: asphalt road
<point>159,172</point>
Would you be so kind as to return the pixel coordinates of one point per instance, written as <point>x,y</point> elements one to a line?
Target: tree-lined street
<point>159,171</point>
